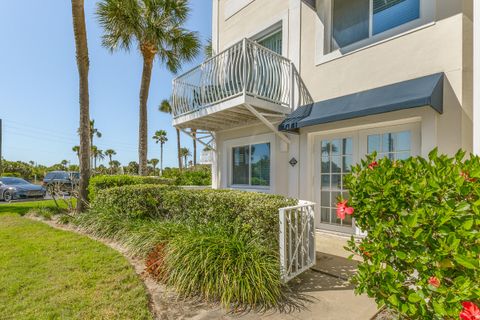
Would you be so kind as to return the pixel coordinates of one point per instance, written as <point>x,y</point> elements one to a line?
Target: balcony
<point>245,84</point>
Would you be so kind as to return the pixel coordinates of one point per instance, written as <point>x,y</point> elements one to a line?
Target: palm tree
<point>194,138</point>
<point>97,154</point>
<point>160,137</point>
<point>185,153</point>
<point>64,163</point>
<point>154,163</point>
<point>94,131</point>
<point>114,164</point>
<point>166,107</point>
<point>110,153</point>
<point>157,28</point>
<point>76,149</point>
<point>208,49</point>
<point>81,47</point>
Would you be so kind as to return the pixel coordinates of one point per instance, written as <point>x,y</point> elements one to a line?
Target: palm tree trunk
<point>161,159</point>
<point>81,45</point>
<point>143,125</point>
<point>178,150</point>
<point>194,134</point>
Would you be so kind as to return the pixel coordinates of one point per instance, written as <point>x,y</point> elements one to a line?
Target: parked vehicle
<point>17,188</point>
<point>65,180</point>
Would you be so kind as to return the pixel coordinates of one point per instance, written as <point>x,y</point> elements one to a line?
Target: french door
<point>334,156</point>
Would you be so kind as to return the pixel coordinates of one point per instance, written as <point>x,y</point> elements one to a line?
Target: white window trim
<point>246,141</point>
<point>427,19</point>
<point>359,137</point>
<point>277,22</point>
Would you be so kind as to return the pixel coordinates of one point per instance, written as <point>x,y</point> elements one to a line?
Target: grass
<point>51,274</point>
<point>22,208</point>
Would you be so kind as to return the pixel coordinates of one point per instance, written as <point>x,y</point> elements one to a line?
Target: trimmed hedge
<point>422,216</point>
<point>253,213</point>
<point>101,182</point>
<point>200,175</point>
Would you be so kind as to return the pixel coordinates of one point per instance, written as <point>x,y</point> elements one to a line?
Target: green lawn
<point>51,274</point>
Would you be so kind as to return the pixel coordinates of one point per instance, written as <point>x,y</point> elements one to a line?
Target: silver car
<point>16,188</point>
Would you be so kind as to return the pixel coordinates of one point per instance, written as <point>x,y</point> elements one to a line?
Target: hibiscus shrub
<point>421,254</point>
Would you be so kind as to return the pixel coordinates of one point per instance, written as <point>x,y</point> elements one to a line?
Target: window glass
<point>251,165</point>
<point>260,164</point>
<point>240,167</point>
<point>351,19</point>
<point>337,160</point>
<point>388,14</point>
<point>273,42</point>
<point>395,146</point>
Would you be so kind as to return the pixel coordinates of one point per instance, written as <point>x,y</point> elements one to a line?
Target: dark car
<point>16,188</point>
<point>66,180</point>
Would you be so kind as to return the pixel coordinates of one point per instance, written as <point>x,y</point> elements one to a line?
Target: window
<point>388,14</point>
<point>396,146</point>
<point>251,165</point>
<point>356,20</point>
<point>273,41</point>
<point>350,22</point>
<point>337,159</point>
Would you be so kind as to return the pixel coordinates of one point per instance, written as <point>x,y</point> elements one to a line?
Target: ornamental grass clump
<point>421,255</point>
<point>232,269</point>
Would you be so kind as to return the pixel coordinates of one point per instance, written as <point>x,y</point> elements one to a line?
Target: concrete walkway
<point>329,294</point>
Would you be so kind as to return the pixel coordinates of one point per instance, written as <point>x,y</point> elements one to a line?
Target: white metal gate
<point>297,239</point>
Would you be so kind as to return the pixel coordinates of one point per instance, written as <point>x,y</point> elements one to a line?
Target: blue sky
<point>39,85</point>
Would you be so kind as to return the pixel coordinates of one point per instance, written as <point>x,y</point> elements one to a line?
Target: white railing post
<point>283,262</point>
<point>244,66</point>
<point>292,86</point>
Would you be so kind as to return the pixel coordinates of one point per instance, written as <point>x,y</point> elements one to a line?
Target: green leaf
<point>417,233</point>
<point>467,225</point>
<point>466,262</point>
<point>412,219</point>
<point>393,299</point>
<point>439,308</point>
<point>401,255</point>
<point>446,264</point>
<point>464,206</point>
<point>414,297</point>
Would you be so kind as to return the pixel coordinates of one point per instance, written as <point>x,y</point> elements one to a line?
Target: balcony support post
<point>208,144</point>
<point>267,123</point>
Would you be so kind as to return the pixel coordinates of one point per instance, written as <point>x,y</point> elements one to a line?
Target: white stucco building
<point>300,90</point>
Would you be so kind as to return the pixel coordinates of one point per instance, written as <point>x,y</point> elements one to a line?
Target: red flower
<point>470,311</point>
<point>343,209</point>
<point>372,165</point>
<point>434,282</point>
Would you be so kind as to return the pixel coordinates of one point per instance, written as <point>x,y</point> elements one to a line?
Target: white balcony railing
<point>245,68</point>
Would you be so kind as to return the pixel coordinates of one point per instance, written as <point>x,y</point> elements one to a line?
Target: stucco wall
<point>441,46</point>
<point>444,45</point>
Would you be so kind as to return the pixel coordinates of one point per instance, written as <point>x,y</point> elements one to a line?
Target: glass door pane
<point>336,162</point>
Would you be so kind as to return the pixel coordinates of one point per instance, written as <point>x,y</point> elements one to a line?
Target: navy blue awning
<point>419,92</point>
